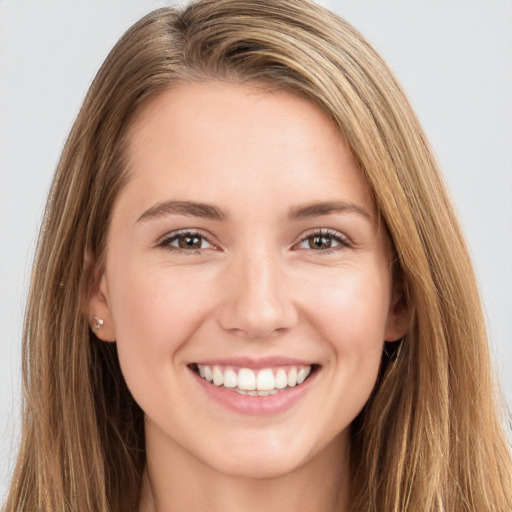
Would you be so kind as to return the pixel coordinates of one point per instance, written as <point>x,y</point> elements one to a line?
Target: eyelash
<point>336,236</point>
<point>342,240</point>
<point>185,233</point>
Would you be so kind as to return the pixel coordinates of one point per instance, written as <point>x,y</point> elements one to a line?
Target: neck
<point>175,480</point>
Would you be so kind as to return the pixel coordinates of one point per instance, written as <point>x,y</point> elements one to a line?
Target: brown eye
<point>189,241</point>
<point>320,242</point>
<point>323,240</point>
<point>186,241</point>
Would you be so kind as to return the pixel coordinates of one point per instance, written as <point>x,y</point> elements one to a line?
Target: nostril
<point>257,322</point>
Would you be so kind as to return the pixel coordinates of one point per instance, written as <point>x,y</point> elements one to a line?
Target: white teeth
<point>265,380</point>
<point>254,393</point>
<point>303,373</point>
<point>230,378</point>
<point>218,376</point>
<point>281,379</point>
<point>292,377</point>
<point>255,383</point>
<point>246,379</point>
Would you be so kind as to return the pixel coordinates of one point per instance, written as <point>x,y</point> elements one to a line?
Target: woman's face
<point>245,249</point>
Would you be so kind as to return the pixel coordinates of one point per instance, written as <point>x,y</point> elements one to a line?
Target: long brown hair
<point>429,439</point>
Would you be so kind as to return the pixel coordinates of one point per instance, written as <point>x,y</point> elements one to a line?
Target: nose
<point>257,302</point>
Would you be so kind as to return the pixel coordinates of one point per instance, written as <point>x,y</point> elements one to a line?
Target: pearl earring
<point>99,323</point>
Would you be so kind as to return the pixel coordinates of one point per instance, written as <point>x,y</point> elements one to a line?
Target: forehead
<point>220,139</point>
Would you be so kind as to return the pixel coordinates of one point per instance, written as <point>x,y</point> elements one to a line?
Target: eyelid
<point>343,240</point>
<point>164,241</point>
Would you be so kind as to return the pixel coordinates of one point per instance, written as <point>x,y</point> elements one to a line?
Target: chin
<point>260,459</point>
<point>257,468</point>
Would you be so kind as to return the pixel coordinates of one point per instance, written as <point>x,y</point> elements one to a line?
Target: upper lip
<point>255,363</point>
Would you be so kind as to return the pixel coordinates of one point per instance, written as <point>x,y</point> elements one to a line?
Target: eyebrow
<point>208,211</point>
<point>327,208</point>
<point>190,209</point>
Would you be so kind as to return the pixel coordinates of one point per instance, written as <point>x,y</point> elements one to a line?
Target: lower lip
<point>256,405</point>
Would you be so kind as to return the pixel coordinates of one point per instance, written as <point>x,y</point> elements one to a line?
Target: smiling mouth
<point>262,382</point>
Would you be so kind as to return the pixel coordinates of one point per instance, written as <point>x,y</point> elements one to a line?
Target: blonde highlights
<point>430,437</point>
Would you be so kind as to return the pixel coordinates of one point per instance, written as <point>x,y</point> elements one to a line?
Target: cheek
<point>351,318</point>
<point>154,313</point>
<point>352,309</point>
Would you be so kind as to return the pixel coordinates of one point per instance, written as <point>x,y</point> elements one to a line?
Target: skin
<point>256,286</point>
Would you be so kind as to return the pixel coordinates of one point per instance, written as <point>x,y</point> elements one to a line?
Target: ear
<point>98,307</point>
<point>399,316</point>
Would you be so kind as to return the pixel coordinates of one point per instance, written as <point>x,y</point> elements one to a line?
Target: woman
<point>248,207</point>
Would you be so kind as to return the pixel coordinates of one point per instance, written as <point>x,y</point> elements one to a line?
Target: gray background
<point>454,59</point>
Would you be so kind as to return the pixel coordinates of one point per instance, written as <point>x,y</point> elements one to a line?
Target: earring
<point>99,323</point>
